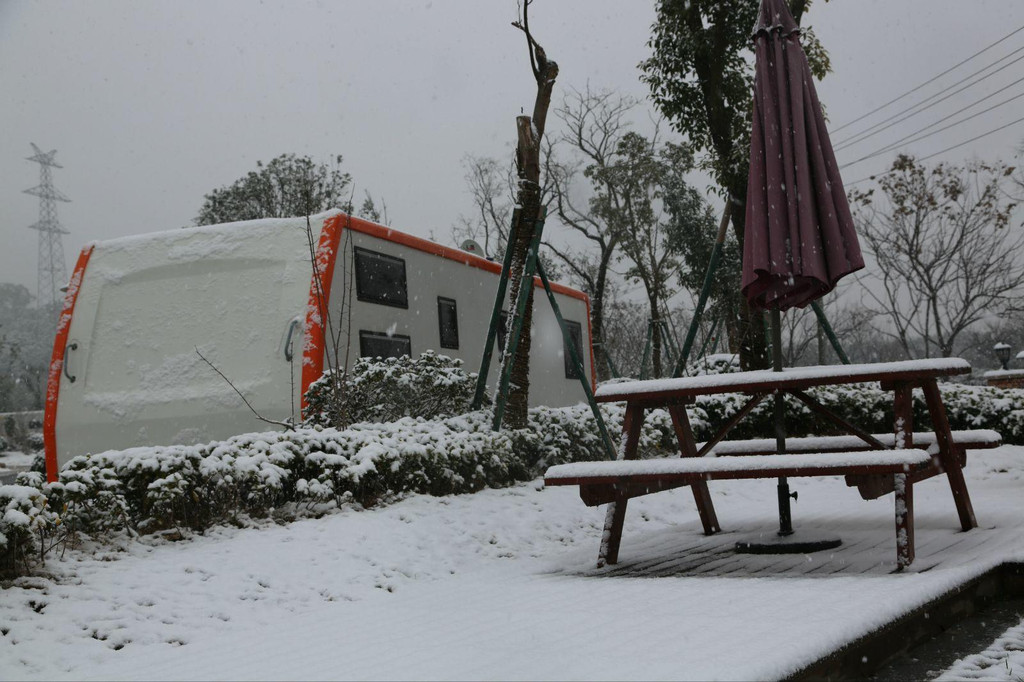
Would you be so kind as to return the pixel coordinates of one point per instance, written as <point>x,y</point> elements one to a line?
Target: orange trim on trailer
<point>57,363</point>
<point>425,245</point>
<point>318,303</point>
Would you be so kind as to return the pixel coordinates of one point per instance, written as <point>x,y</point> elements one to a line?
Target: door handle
<point>288,353</point>
<point>67,349</point>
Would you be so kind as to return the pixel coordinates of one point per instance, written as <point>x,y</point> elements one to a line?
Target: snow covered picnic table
<point>876,463</point>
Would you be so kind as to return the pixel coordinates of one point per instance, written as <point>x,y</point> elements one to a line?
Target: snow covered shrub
<point>384,390</point>
<point>178,486</point>
<point>12,434</point>
<point>556,435</point>
<point>34,442</point>
<point>716,363</point>
<point>25,524</point>
<point>369,462</point>
<point>4,444</point>
<point>985,407</point>
<point>90,499</point>
<point>867,406</point>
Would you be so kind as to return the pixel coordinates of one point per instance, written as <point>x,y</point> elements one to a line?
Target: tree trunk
<point>529,133</point>
<point>655,338</point>
<point>753,346</point>
<point>528,198</point>
<point>597,318</point>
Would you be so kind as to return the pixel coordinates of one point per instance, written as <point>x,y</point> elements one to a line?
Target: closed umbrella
<point>799,238</point>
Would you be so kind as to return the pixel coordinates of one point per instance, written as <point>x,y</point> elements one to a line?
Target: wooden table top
<point>657,390</point>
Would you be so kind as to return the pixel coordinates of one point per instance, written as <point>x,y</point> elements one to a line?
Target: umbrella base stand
<point>800,542</point>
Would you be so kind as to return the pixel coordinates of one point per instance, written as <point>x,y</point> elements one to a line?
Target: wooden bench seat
<point>620,480</point>
<point>869,486</point>
<point>965,440</point>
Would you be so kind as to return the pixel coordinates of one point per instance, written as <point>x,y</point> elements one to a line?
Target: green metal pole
<point>711,335</point>
<point>670,344</point>
<point>525,284</point>
<point>499,301</point>
<point>705,291</point>
<point>823,321</point>
<point>578,364</point>
<point>611,365</point>
<point>607,360</point>
<point>670,333</point>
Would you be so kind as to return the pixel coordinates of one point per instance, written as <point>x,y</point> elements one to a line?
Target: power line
<point>880,126</point>
<point>947,149</point>
<point>905,139</point>
<point>930,80</point>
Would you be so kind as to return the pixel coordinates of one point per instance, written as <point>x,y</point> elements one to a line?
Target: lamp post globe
<point>1002,351</point>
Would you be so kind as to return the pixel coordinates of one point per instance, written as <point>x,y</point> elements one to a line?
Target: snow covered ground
<point>1003,660</point>
<point>11,463</point>
<point>501,585</point>
<point>15,460</point>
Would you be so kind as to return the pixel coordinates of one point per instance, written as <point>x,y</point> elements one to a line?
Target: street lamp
<point>1002,351</point>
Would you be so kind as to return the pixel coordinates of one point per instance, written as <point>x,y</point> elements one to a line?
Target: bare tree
<point>804,341</point>
<point>593,126</point>
<point>491,186</point>
<point>530,134</point>
<point>625,322</point>
<point>946,253</point>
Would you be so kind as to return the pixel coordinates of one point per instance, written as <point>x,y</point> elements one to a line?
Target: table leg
<point>949,459</point>
<point>903,406</point>
<point>874,486</point>
<point>904,521</point>
<point>688,448</point>
<point>616,514</point>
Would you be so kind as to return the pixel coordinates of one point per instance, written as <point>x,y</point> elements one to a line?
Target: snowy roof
<point>212,239</point>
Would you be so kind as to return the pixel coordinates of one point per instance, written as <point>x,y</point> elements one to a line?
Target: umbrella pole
<point>785,513</point>
<point>783,544</point>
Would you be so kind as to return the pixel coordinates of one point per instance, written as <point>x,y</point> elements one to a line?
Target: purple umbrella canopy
<point>799,238</point>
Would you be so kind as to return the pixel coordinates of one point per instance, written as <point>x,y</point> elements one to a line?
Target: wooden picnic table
<point>872,470</point>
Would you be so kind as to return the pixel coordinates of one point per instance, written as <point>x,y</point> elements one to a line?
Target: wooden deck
<point>867,549</point>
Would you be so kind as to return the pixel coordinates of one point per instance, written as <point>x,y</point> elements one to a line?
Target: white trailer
<point>141,311</point>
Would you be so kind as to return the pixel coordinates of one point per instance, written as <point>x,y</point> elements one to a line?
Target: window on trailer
<point>381,279</point>
<point>576,333</point>
<point>448,322</point>
<point>380,345</point>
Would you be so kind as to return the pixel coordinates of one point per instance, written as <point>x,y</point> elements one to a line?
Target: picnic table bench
<point>876,463</point>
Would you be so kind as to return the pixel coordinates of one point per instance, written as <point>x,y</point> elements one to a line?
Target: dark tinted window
<point>379,345</point>
<point>381,279</point>
<point>448,322</point>
<point>576,333</point>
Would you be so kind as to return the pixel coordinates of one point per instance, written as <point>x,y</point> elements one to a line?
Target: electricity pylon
<point>53,274</point>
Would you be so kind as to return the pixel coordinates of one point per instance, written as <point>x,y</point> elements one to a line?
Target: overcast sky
<point>152,104</point>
